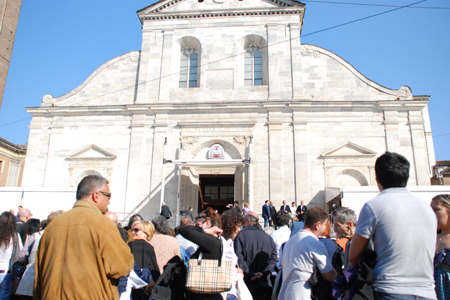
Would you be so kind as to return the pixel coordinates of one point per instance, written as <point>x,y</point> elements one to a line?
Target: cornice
<point>14,149</point>
<point>222,13</point>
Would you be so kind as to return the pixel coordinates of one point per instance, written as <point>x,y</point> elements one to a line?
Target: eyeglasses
<point>135,230</point>
<point>105,194</point>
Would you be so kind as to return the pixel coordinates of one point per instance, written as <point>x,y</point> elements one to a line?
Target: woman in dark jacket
<point>143,252</point>
<point>209,245</point>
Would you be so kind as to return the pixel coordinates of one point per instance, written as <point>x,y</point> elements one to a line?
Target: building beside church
<point>249,113</point>
<point>12,162</point>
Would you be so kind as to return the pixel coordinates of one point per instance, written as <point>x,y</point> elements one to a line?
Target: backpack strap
<point>168,268</point>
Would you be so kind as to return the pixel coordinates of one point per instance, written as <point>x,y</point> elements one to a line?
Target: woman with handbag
<point>210,249</point>
<point>10,245</point>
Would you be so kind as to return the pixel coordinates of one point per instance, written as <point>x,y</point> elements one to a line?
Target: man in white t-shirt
<point>302,254</point>
<point>403,230</point>
<point>282,234</point>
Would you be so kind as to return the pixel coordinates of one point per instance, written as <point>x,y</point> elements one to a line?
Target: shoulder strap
<point>168,269</point>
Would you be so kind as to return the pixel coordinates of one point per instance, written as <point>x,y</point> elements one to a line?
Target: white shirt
<point>302,254</point>
<point>280,236</point>
<point>188,246</point>
<point>229,254</point>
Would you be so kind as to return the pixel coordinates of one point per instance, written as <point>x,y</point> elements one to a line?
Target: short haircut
<point>146,227</point>
<point>236,202</point>
<point>253,221</point>
<point>266,201</point>
<point>230,219</point>
<point>281,218</point>
<point>161,225</point>
<point>314,215</point>
<point>185,221</point>
<point>33,226</point>
<point>90,184</point>
<point>392,170</point>
<point>53,215</point>
<point>133,218</point>
<point>346,215</point>
<point>444,199</point>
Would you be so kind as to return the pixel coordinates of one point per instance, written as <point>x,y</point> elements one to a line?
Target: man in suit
<point>273,211</point>
<point>301,211</point>
<point>285,207</point>
<point>165,211</point>
<point>266,213</point>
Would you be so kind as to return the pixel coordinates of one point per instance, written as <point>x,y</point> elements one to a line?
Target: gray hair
<point>161,225</point>
<point>346,215</point>
<point>89,184</point>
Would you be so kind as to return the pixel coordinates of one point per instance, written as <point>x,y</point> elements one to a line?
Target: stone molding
<point>193,144</point>
<point>314,51</point>
<point>81,165</point>
<point>349,159</point>
<point>127,58</point>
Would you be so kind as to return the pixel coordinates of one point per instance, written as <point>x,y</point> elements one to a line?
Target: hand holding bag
<point>209,276</point>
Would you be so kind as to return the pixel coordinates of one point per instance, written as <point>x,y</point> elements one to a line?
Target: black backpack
<point>171,285</point>
<point>322,289</point>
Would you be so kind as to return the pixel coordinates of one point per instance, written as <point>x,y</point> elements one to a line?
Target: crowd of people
<point>396,249</point>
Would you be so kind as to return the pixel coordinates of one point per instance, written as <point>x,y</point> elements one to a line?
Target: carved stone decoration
<point>188,142</point>
<point>226,142</point>
<point>90,160</point>
<point>307,50</point>
<point>133,57</point>
<point>404,91</point>
<point>48,100</point>
<point>241,140</point>
<point>15,162</point>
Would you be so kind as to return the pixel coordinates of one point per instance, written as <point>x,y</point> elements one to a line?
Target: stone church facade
<point>226,73</point>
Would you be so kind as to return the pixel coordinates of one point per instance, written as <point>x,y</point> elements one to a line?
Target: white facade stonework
<point>316,122</point>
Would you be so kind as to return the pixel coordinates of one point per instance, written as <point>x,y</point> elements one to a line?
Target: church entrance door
<point>216,191</point>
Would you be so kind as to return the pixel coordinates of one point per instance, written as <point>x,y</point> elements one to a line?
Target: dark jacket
<point>266,211</point>
<point>165,211</point>
<point>256,252</point>
<point>287,209</point>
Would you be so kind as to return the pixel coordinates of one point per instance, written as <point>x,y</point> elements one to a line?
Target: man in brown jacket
<point>81,253</point>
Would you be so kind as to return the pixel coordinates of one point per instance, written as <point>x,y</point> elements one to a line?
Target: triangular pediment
<point>91,152</point>
<point>349,149</point>
<point>169,7</point>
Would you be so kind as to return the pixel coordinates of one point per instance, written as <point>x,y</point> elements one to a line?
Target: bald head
<point>24,214</point>
<point>112,216</point>
<point>253,214</point>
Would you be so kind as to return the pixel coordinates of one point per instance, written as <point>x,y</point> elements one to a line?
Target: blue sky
<point>60,43</point>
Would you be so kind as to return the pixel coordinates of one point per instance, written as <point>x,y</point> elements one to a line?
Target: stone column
<point>149,77</point>
<point>37,152</point>
<point>160,132</point>
<point>391,124</point>
<point>167,82</point>
<point>139,164</point>
<point>273,58</point>
<point>275,156</point>
<point>296,62</point>
<point>419,146</point>
<point>302,179</point>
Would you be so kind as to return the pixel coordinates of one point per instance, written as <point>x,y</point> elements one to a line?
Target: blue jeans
<point>384,296</point>
<point>5,286</point>
<point>266,223</point>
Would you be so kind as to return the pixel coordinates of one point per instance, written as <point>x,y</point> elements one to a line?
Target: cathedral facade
<point>222,103</point>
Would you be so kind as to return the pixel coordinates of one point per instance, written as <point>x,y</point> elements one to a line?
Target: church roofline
<point>403,93</point>
<point>154,11</point>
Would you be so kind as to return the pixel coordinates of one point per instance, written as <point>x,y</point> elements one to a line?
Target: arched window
<point>253,72</point>
<point>188,68</point>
